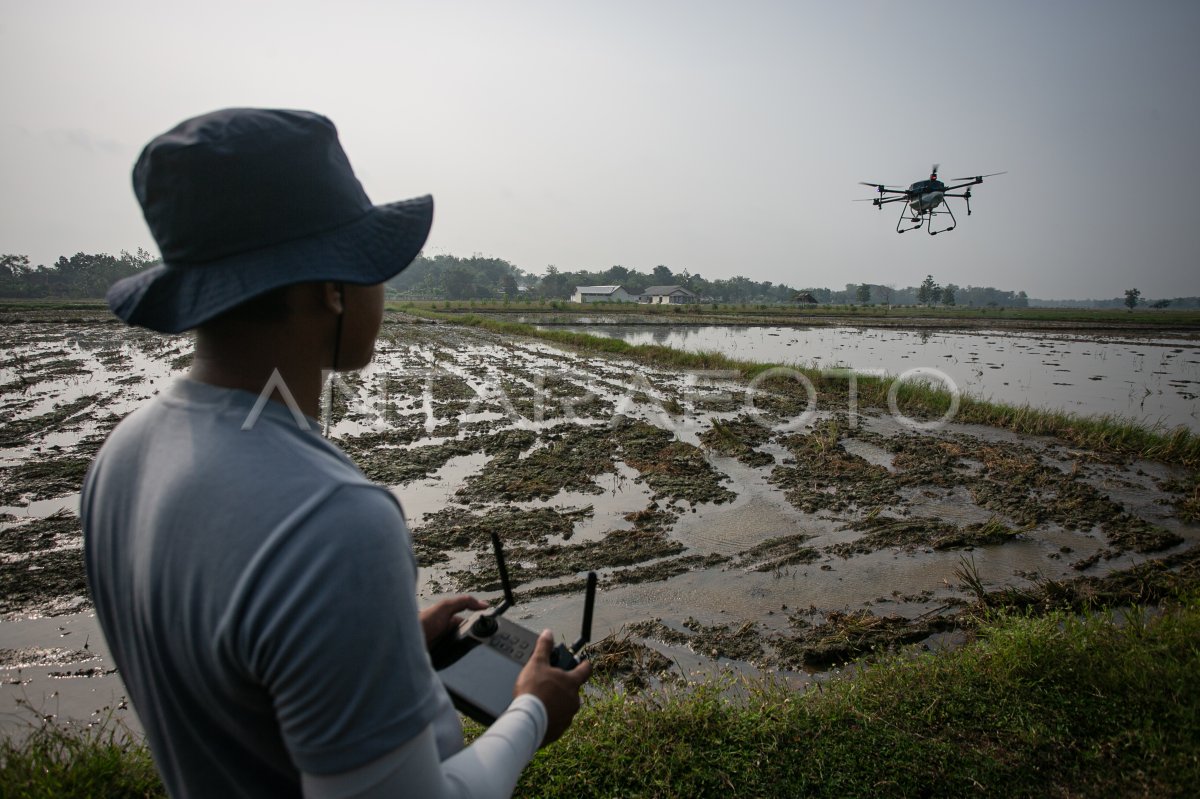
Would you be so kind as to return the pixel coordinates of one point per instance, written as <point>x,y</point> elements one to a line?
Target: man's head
<point>246,202</point>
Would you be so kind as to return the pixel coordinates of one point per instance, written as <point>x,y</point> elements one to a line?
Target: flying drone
<point>924,200</point>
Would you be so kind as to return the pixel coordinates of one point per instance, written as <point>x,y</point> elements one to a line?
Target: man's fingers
<point>465,602</point>
<point>581,672</point>
<point>545,643</point>
<point>451,607</point>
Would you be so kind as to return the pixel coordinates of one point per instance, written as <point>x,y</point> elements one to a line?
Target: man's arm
<point>487,768</point>
<point>547,699</point>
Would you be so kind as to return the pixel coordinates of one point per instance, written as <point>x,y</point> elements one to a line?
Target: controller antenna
<point>509,601</point>
<point>589,599</point>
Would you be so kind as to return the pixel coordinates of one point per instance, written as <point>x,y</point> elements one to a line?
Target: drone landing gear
<point>919,219</point>
<point>938,212</point>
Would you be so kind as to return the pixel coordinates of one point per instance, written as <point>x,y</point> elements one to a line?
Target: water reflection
<point>1154,380</point>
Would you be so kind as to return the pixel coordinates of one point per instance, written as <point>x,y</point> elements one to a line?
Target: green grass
<point>50,761</point>
<point>1045,706</point>
<point>1051,705</point>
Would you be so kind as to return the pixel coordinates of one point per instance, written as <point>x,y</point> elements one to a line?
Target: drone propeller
<point>981,177</point>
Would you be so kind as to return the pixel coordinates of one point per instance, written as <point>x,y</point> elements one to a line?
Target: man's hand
<point>440,618</point>
<point>558,689</point>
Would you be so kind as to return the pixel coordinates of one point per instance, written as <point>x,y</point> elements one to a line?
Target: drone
<point>924,200</point>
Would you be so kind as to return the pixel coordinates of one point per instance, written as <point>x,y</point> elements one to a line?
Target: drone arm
<point>964,185</point>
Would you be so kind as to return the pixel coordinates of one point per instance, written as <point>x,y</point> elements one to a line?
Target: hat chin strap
<point>337,331</point>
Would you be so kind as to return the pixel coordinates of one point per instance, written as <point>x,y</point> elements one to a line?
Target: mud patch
<point>621,659</point>
<point>824,476</point>
<point>65,416</point>
<point>883,532</point>
<point>742,642</point>
<point>42,478</point>
<point>844,637</point>
<point>48,582</point>
<point>569,460</point>
<point>455,528</point>
<point>51,532</point>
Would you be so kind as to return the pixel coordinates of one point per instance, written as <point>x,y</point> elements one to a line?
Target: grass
<point>1108,434</point>
<point>74,760</point>
<point>1039,706</point>
<point>1049,705</point>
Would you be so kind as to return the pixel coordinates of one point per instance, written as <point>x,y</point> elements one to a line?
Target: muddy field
<point>727,530</point>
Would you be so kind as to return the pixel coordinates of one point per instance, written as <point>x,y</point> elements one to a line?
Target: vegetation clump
<point>456,528</point>
<point>569,459</point>
<point>886,531</point>
<point>777,553</point>
<point>22,432</point>
<point>843,637</point>
<point>42,478</point>
<point>739,438</point>
<point>825,476</point>
<point>742,642</point>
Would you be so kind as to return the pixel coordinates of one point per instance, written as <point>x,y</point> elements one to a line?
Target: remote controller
<point>479,661</point>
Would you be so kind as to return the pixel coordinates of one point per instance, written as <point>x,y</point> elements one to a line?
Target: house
<point>667,295</point>
<point>805,297</point>
<point>601,294</point>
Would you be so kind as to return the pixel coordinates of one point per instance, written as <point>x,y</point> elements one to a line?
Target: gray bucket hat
<point>246,200</point>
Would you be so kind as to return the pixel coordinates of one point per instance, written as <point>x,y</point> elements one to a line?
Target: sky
<point>720,138</point>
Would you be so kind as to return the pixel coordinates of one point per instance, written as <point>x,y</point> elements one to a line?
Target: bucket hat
<point>245,200</point>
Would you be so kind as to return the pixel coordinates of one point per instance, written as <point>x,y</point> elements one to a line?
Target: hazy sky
<point>723,138</point>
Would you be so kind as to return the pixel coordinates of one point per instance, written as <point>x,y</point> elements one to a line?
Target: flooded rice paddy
<point>724,535</point>
<point>1153,380</point>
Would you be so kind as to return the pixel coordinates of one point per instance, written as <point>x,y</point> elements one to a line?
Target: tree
<point>929,291</point>
<point>556,285</point>
<point>459,283</point>
<point>1131,298</point>
<point>508,285</point>
<point>948,294</point>
<point>864,293</point>
<point>1160,304</point>
<point>616,276</point>
<point>662,276</point>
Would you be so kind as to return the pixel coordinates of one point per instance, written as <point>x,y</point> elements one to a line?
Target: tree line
<point>448,277</point>
<point>82,276</point>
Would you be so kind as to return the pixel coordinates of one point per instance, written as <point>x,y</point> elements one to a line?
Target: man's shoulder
<point>205,450</point>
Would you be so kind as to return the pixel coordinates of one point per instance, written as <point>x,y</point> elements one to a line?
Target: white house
<point>667,295</point>
<point>601,294</point>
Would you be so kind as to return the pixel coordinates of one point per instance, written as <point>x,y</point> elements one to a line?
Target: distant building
<point>667,295</point>
<point>601,294</point>
<point>805,297</point>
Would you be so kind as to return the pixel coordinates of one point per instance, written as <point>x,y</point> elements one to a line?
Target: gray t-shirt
<point>257,592</point>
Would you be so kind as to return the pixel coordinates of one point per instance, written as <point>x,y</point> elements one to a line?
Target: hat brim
<point>371,249</point>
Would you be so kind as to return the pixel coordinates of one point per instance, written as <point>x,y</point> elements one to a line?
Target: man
<point>257,592</point>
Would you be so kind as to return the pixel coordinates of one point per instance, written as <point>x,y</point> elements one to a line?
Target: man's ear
<point>331,297</point>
